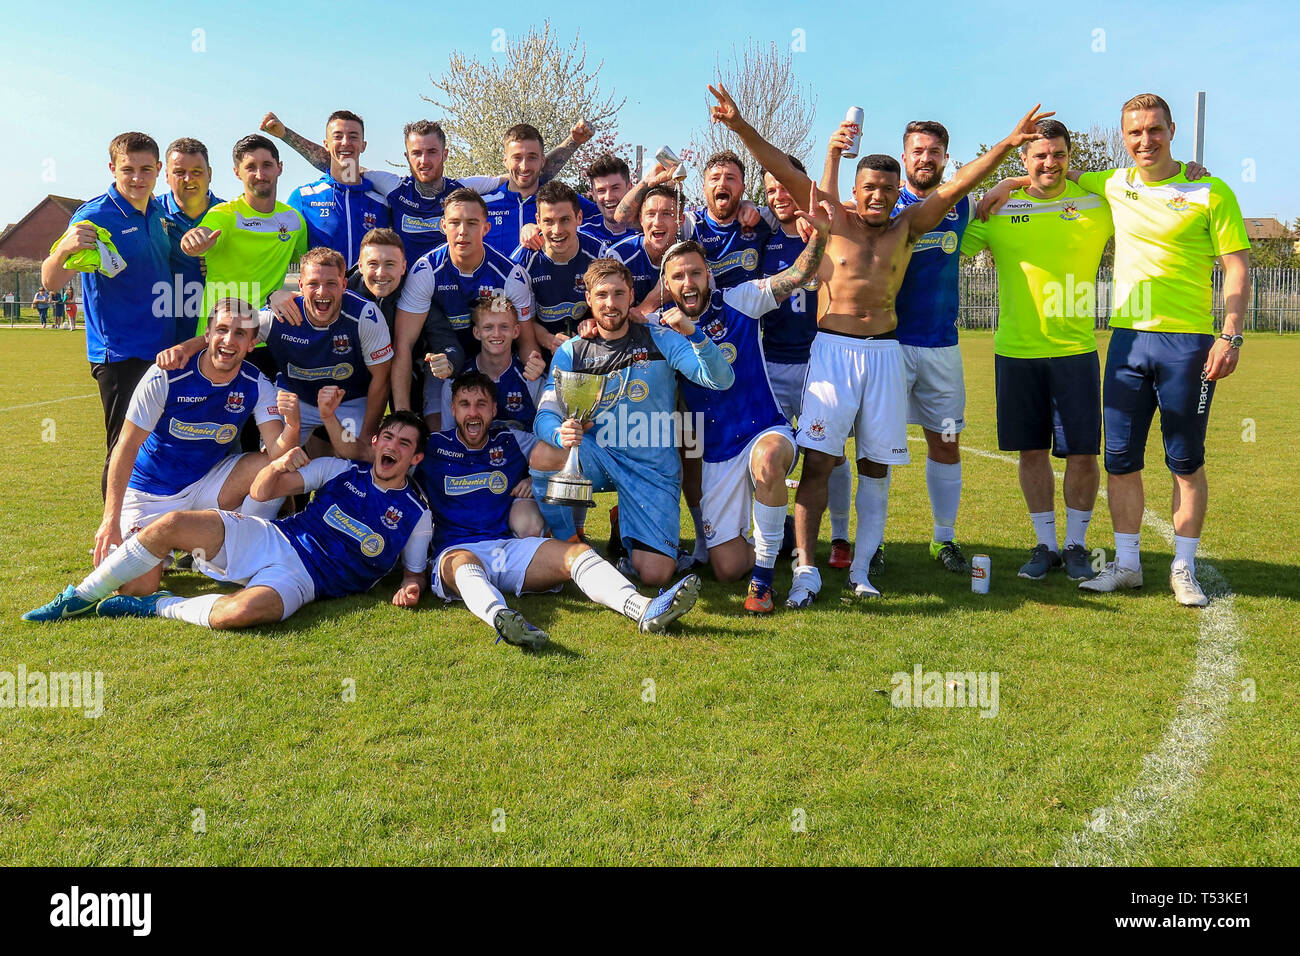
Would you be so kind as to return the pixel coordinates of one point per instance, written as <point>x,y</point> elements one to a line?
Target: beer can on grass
<point>980,570</point>
<point>854,116</point>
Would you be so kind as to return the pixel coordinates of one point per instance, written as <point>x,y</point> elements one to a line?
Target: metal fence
<point>22,286</point>
<point>1274,304</point>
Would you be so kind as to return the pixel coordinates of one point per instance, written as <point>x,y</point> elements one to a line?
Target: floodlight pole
<point>1200,127</point>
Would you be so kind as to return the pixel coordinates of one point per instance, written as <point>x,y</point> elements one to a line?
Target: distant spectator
<point>56,299</point>
<point>41,303</point>
<point>70,297</point>
<point>11,311</point>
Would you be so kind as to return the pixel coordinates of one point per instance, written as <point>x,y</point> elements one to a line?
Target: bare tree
<point>1109,142</point>
<point>780,108</point>
<point>532,79</point>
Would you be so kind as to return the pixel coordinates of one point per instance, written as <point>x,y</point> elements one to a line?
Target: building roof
<point>1267,228</point>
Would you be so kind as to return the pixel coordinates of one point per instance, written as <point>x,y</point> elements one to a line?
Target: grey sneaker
<point>513,629</point>
<point>1041,560</point>
<point>1187,590</point>
<point>1113,578</point>
<point>1078,566</point>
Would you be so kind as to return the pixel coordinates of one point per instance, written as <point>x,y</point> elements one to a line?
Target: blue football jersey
<point>339,215</point>
<point>927,301</point>
<point>469,489</point>
<point>517,397</point>
<point>352,532</point>
<point>734,416</point>
<point>645,274</point>
<point>508,212</point>
<point>189,269</point>
<point>734,252</point>
<point>192,422</point>
<point>417,218</point>
<point>595,227</point>
<point>435,278</point>
<point>789,330</point>
<point>341,353</point>
<point>559,294</point>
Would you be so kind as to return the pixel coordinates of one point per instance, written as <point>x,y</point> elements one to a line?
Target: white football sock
<point>838,491</point>
<point>1185,550</point>
<point>944,484</point>
<point>480,597</point>
<point>1045,527</point>
<point>130,560</point>
<point>872,501</point>
<point>769,530</point>
<point>601,581</point>
<point>701,543</point>
<point>1076,526</point>
<point>1127,554</point>
<point>195,610</point>
<point>261,509</point>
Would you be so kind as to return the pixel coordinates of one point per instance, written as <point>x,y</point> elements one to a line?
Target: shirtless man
<point>855,372</point>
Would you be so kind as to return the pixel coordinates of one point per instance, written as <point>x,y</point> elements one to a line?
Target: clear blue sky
<point>76,73</point>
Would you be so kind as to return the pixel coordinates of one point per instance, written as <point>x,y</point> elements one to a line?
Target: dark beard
<point>936,177</point>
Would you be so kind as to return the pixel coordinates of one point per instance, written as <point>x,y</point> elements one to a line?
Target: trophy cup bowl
<point>579,394</point>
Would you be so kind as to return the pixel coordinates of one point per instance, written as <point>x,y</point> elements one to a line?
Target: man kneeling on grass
<point>363,516</point>
<point>472,476</point>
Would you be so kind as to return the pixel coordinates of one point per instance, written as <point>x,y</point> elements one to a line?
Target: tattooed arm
<point>558,157</point>
<point>314,153</point>
<point>785,283</point>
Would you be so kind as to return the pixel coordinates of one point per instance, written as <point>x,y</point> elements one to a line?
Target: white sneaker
<point>803,590</point>
<point>1113,578</point>
<point>856,592</point>
<point>1187,590</point>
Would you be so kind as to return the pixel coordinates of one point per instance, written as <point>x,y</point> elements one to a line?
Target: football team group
<point>402,404</point>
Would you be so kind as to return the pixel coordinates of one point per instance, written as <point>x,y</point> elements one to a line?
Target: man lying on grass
<point>363,517</point>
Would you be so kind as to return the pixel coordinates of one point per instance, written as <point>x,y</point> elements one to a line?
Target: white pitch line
<point>52,401</point>
<point>1170,773</point>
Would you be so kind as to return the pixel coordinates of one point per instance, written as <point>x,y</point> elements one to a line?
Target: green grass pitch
<point>764,741</point>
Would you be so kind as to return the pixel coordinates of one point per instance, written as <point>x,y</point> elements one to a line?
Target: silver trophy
<point>666,158</point>
<point>580,394</point>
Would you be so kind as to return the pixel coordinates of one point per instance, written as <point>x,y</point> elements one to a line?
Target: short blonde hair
<point>1148,101</point>
<point>323,256</point>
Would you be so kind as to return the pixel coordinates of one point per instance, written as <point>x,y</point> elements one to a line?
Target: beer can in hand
<point>980,569</point>
<point>854,116</point>
<point>666,158</point>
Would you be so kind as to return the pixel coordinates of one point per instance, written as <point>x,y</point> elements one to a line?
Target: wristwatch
<point>1233,340</point>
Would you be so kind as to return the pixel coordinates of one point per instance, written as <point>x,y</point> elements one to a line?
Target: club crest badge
<point>342,344</point>
<point>514,402</point>
<point>392,517</point>
<point>235,403</point>
<point>496,456</point>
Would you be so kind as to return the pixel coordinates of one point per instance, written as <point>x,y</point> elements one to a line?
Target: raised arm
<point>557,158</point>
<point>629,207</point>
<point>314,153</point>
<point>280,478</point>
<point>768,156</point>
<point>282,436</point>
<point>785,283</point>
<point>924,216</point>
